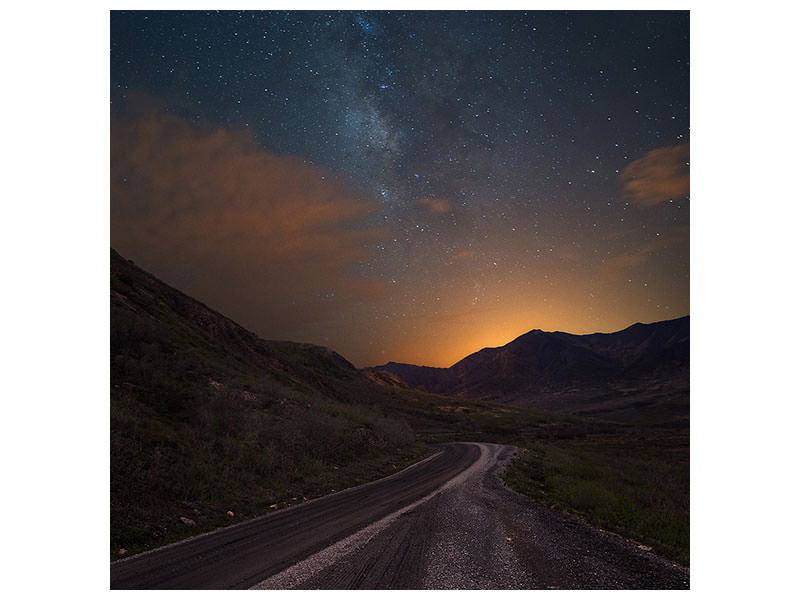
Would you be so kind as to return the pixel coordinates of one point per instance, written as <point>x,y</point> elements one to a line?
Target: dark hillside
<point>208,418</point>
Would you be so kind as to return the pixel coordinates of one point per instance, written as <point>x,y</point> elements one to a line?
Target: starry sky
<point>407,186</point>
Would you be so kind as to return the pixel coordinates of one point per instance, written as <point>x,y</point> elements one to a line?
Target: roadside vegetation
<point>634,483</point>
<point>172,477</point>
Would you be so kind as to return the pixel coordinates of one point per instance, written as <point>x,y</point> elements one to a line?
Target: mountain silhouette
<point>645,366</point>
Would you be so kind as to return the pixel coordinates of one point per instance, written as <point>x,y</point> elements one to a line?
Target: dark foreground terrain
<point>446,523</point>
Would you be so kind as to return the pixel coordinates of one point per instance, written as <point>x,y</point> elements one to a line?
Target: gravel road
<point>447,522</point>
<point>477,534</point>
<point>244,554</point>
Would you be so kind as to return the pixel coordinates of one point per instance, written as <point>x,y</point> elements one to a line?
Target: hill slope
<point>638,374</point>
<point>208,418</point>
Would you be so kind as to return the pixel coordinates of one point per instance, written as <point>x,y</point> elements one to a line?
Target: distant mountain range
<point>623,375</point>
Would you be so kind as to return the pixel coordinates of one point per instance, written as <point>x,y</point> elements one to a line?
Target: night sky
<point>407,186</point>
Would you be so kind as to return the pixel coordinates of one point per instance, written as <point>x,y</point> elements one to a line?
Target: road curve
<point>245,554</point>
<point>475,533</point>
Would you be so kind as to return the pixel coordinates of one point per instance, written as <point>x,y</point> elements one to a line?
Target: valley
<point>213,426</point>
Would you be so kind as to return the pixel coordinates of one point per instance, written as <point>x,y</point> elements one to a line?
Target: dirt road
<point>445,523</point>
<point>477,534</point>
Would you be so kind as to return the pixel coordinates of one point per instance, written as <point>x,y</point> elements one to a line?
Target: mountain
<point>638,374</point>
<point>146,310</point>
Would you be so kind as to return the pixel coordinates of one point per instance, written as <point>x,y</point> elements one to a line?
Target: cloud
<point>437,206</point>
<point>615,269</point>
<point>268,240</point>
<point>661,175</point>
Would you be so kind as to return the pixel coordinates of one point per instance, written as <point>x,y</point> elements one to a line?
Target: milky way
<point>407,186</point>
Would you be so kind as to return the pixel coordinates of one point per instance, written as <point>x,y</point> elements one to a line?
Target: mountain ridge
<point>582,335</point>
<point>568,372</point>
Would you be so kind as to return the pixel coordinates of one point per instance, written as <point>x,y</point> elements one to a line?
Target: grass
<point>239,458</point>
<point>635,484</point>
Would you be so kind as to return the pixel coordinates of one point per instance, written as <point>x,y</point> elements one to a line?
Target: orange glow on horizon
<point>445,341</point>
<point>452,339</point>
